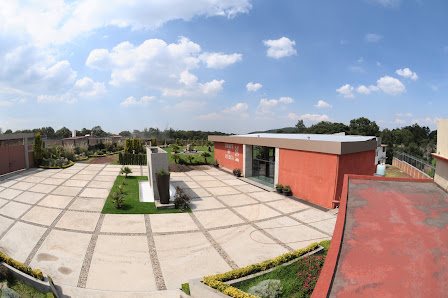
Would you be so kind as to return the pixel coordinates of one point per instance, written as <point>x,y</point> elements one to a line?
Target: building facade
<point>312,165</point>
<point>441,175</point>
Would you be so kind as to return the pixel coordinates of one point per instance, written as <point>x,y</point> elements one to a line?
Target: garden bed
<point>61,167</point>
<point>132,204</point>
<point>197,157</point>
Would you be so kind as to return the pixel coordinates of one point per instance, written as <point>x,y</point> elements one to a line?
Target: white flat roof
<point>314,137</point>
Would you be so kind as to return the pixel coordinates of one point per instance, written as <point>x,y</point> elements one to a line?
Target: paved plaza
<point>51,220</point>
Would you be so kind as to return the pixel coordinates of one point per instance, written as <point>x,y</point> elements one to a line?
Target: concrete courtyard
<point>51,220</point>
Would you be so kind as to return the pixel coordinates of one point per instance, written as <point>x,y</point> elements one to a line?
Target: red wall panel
<point>311,175</point>
<point>229,155</point>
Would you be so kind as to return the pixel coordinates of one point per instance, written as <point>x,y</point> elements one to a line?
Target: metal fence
<point>415,162</point>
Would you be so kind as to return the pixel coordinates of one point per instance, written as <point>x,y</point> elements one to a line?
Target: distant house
<point>380,156</point>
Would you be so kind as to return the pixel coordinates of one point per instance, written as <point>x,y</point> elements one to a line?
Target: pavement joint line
<point>53,224</point>
<point>214,243</point>
<point>84,273</point>
<point>18,219</point>
<point>156,268</point>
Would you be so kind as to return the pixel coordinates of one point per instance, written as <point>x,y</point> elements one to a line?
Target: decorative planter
<point>216,165</point>
<point>279,190</point>
<point>163,186</point>
<point>287,193</point>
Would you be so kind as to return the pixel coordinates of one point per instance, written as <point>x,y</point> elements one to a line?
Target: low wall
<point>410,170</point>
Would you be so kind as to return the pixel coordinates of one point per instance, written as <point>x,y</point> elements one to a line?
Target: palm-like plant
<point>117,199</point>
<point>205,154</point>
<point>175,157</point>
<point>126,171</point>
<point>190,158</point>
<point>175,148</point>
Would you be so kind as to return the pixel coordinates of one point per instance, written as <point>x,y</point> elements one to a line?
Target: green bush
<point>132,159</point>
<point>181,199</point>
<point>154,142</point>
<point>269,288</point>
<point>38,151</point>
<point>19,266</point>
<point>186,288</point>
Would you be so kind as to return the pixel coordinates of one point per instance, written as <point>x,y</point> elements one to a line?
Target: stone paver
<point>51,220</point>
<point>121,258</point>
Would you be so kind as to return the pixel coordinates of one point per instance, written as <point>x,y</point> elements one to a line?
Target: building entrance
<point>263,164</point>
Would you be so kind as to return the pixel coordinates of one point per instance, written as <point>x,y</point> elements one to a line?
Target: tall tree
<point>125,133</point>
<point>363,127</point>
<point>327,127</point>
<point>300,127</point>
<point>63,133</point>
<point>99,132</point>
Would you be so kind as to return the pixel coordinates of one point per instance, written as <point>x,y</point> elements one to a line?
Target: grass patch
<point>210,159</point>
<point>294,277</point>
<point>23,290</point>
<point>186,288</point>
<point>132,205</point>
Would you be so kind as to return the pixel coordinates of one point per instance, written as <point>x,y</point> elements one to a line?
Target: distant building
<point>380,156</point>
<point>441,175</point>
<point>313,165</point>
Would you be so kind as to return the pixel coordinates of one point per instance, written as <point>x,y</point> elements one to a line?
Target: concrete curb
<point>45,286</point>
<point>198,289</point>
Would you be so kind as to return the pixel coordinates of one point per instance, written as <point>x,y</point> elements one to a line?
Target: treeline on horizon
<point>418,141</point>
<point>146,133</point>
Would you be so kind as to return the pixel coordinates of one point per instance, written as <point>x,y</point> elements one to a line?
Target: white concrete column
<point>247,160</point>
<point>27,161</point>
<point>277,165</point>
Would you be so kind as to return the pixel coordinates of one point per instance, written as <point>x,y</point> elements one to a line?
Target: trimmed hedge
<point>132,159</point>
<point>217,281</point>
<point>61,167</point>
<point>36,273</point>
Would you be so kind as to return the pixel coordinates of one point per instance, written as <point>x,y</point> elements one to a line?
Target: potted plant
<point>216,164</point>
<point>163,186</point>
<point>279,188</point>
<point>237,172</point>
<point>287,190</point>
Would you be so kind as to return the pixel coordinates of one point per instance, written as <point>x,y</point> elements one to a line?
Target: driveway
<point>51,220</point>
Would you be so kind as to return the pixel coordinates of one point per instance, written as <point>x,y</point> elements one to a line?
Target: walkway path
<point>51,220</point>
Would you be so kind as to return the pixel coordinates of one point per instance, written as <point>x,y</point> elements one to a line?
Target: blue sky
<point>236,66</point>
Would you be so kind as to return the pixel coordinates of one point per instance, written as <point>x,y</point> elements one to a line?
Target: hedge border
<point>61,167</point>
<point>218,281</point>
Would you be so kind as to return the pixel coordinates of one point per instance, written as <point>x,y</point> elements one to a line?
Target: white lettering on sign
<point>229,155</point>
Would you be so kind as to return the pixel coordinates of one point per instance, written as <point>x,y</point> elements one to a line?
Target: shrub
<point>205,155</point>
<point>190,158</point>
<point>186,288</point>
<point>269,288</point>
<point>128,146</point>
<point>38,151</point>
<point>181,199</point>
<point>310,269</point>
<point>286,188</point>
<point>19,266</point>
<point>109,145</point>
<point>117,199</point>
<point>175,157</point>
<point>4,273</point>
<point>175,148</point>
<point>162,172</point>
<point>237,172</point>
<point>154,142</point>
<point>69,151</point>
<point>278,186</point>
<point>125,171</point>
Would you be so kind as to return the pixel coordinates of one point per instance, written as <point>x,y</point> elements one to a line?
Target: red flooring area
<point>392,243</point>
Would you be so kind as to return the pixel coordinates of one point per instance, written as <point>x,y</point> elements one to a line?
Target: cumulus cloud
<point>238,108</point>
<point>253,86</point>
<point>89,88</point>
<point>58,21</point>
<point>156,64</point>
<point>131,100</point>
<point>391,85</point>
<point>366,90</point>
<point>218,60</point>
<point>266,106</point>
<point>309,118</point>
<point>323,105</point>
<point>282,47</point>
<point>210,116</point>
<point>407,73</point>
<point>399,121</point>
<point>346,91</point>
<point>63,98</point>
<point>372,37</point>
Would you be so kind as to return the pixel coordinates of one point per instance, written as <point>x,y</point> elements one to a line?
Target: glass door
<point>263,164</point>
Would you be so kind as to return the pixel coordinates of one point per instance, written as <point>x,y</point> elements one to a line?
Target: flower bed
<point>218,281</point>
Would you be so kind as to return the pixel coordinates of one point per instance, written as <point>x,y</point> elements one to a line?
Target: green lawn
<point>210,159</point>
<point>132,205</point>
<point>22,289</point>
<point>291,282</point>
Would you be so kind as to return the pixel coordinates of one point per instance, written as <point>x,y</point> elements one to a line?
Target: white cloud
<point>66,98</point>
<point>210,116</point>
<point>158,65</point>
<point>391,85</point>
<point>238,108</point>
<point>265,106</point>
<point>323,105</point>
<point>399,121</point>
<point>372,37</point>
<point>282,47</point>
<point>366,90</point>
<point>89,88</point>
<point>404,115</point>
<point>131,100</point>
<point>427,121</point>
<point>253,86</point>
<point>218,60</point>
<point>346,91</point>
<point>407,73</point>
<point>58,21</point>
<point>309,118</point>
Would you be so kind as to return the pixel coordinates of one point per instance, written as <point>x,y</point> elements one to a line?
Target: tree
<point>63,133</point>
<point>300,127</point>
<point>205,154</point>
<point>190,158</point>
<point>176,157</point>
<point>99,132</point>
<point>175,148</point>
<point>327,127</point>
<point>48,132</point>
<point>363,127</point>
<point>8,131</point>
<point>117,199</point>
<point>38,151</point>
<point>125,133</point>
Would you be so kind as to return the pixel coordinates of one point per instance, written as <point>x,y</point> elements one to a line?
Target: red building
<point>312,165</point>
